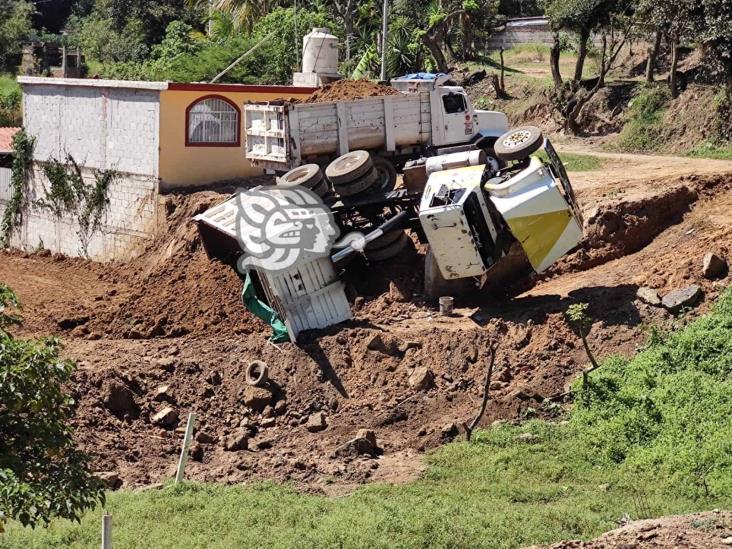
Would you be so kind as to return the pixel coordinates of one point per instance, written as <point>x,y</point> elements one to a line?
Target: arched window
<point>213,121</point>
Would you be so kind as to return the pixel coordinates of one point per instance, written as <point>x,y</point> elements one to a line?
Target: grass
<point>10,94</point>
<point>643,132</point>
<point>649,436</point>
<point>711,149</point>
<point>8,84</point>
<point>574,162</point>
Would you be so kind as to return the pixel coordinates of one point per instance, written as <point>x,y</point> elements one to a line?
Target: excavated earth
<point>166,334</point>
<point>349,89</point>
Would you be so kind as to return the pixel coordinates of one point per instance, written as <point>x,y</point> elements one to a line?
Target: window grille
<point>213,120</point>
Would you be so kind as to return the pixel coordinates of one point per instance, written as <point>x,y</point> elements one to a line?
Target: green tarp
<point>264,311</point>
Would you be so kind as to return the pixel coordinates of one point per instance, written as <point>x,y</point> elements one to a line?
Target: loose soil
<point>349,89</point>
<point>698,531</point>
<point>167,330</point>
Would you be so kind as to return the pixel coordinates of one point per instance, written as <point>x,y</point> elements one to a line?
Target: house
<point>6,160</point>
<point>155,136</point>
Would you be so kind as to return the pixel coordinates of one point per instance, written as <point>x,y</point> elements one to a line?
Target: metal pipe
<point>384,31</point>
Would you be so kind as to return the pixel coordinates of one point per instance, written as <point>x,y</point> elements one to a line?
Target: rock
<point>109,478</point>
<point>358,303</point>
<point>197,452</point>
<point>368,434</point>
<point>679,299</point>
<point>449,432</point>
<point>505,375</point>
<point>268,422</point>
<point>163,393</point>
<point>604,487</point>
<point>166,363</point>
<point>316,422</point>
<point>421,378</point>
<point>257,398</point>
<point>205,438</point>
<point>214,378</point>
<point>360,445</point>
<point>497,385</point>
<point>119,399</point>
<point>280,407</point>
<point>713,266</point>
<point>238,440</point>
<point>167,417</point>
<point>527,438</point>
<point>649,296</point>
<point>268,412</point>
<point>399,292</point>
<point>727,540</point>
<point>384,344</point>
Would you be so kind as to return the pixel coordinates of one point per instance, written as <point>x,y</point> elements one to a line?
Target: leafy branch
<point>23,146</point>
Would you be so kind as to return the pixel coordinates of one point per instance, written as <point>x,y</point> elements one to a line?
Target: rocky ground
<point>166,334</point>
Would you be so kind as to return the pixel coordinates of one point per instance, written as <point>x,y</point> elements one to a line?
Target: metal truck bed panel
<point>281,135</point>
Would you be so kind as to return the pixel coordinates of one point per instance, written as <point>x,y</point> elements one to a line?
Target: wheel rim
<point>383,177</point>
<point>517,138</point>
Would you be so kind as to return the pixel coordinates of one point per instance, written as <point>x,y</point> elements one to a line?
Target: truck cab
<point>454,120</point>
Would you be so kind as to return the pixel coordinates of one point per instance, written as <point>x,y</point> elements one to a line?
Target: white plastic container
<point>320,52</point>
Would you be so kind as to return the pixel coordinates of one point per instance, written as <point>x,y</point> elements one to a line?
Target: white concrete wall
<point>103,125</point>
<point>4,185</point>
<point>131,220</point>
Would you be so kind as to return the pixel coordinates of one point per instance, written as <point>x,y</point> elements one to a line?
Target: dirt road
<point>168,330</point>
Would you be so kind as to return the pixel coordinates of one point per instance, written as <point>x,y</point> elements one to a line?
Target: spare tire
<point>518,143</point>
<point>256,373</point>
<point>348,167</point>
<point>309,176</point>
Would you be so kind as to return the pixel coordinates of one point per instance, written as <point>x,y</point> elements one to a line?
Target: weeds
<point>642,132</point>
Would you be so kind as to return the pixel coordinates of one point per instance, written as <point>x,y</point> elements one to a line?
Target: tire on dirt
<point>436,286</point>
<point>387,174</point>
<point>390,250</point>
<point>256,373</point>
<point>348,167</point>
<point>518,143</point>
<point>309,176</point>
<point>361,185</point>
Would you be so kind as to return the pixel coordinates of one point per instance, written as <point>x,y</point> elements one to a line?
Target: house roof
<point>6,139</point>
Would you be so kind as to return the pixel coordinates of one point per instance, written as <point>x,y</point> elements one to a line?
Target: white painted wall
<point>105,125</point>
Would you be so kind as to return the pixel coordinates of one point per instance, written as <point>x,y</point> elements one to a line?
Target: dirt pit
<point>166,334</point>
<point>349,89</point>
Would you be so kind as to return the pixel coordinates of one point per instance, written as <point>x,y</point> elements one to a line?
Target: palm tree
<point>243,12</point>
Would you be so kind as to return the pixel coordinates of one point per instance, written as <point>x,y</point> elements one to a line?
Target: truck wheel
<point>387,174</point>
<point>348,167</point>
<point>309,176</point>
<point>519,143</point>
<point>384,240</point>
<point>359,185</point>
<point>436,286</point>
<point>390,250</point>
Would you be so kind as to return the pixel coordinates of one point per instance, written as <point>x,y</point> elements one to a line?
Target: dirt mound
<point>349,89</point>
<point>173,288</point>
<point>697,531</point>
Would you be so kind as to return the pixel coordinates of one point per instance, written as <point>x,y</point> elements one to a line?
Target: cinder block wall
<point>105,125</point>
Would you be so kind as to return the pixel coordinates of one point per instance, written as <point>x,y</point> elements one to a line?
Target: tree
<point>712,20</point>
<point>581,324</point>
<point>676,21</point>
<point>15,27</point>
<point>42,473</point>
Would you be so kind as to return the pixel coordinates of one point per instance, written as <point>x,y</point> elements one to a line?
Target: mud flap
<point>263,311</point>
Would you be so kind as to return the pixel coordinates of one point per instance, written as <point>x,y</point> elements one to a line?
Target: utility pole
<point>384,29</point>
<point>210,14</point>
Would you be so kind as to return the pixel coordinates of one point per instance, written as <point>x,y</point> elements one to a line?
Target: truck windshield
<point>453,103</point>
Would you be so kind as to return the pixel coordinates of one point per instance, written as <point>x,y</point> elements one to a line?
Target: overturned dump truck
<point>485,219</point>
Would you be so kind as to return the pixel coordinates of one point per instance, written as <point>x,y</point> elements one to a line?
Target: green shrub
<point>642,130</point>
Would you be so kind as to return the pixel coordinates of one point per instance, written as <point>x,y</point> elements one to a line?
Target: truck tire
<point>384,240</point>
<point>387,174</point>
<point>309,176</point>
<point>390,250</point>
<point>518,143</point>
<point>436,286</point>
<point>256,373</point>
<point>348,167</point>
<point>358,186</point>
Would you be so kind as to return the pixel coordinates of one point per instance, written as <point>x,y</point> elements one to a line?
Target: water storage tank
<point>320,52</point>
